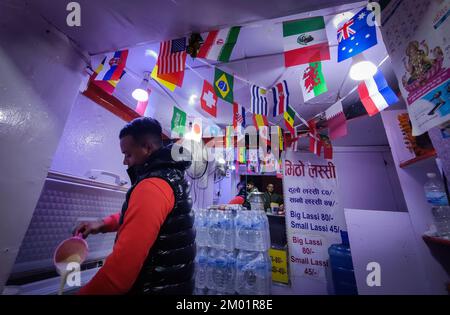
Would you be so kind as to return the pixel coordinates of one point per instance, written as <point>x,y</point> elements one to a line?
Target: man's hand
<point>89,227</point>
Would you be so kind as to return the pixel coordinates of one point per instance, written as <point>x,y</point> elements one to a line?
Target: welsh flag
<point>312,81</point>
<point>305,41</point>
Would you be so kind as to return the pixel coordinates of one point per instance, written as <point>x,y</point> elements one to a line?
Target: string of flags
<point>280,94</point>
<point>208,100</point>
<point>108,78</point>
<point>375,94</point>
<point>305,45</point>
<point>336,122</point>
<point>356,35</point>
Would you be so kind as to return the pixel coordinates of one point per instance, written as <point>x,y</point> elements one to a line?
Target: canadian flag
<point>208,101</point>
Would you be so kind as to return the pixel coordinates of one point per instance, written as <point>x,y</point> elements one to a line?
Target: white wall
<point>90,141</point>
<point>412,179</point>
<point>386,238</point>
<point>39,79</point>
<point>365,179</point>
<point>202,190</point>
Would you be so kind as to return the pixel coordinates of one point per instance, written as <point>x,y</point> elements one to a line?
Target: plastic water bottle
<point>245,277</point>
<point>260,227</point>
<point>224,272</point>
<point>228,230</point>
<point>437,198</point>
<point>264,273</point>
<point>201,226</point>
<point>201,265</point>
<point>254,273</point>
<point>210,269</point>
<point>252,231</point>
<point>215,230</point>
<point>220,271</point>
<point>230,272</point>
<point>243,230</point>
<point>268,274</point>
<point>237,227</point>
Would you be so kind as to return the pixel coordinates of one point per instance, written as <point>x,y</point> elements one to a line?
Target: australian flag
<point>356,35</point>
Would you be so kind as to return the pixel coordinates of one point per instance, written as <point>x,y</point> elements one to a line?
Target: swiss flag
<point>208,100</point>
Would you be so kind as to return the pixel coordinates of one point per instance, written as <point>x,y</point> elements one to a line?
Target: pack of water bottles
<point>232,254</point>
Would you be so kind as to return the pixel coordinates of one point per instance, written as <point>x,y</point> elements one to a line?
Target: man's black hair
<point>251,182</point>
<point>143,128</point>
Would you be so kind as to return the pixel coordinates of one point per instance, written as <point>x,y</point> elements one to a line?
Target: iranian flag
<point>305,41</point>
<point>219,44</point>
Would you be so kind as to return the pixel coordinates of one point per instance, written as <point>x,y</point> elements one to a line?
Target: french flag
<point>375,94</point>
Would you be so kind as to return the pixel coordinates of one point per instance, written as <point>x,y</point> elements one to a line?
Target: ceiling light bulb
<point>140,94</point>
<point>361,68</point>
<point>152,53</point>
<point>341,18</point>
<point>192,99</point>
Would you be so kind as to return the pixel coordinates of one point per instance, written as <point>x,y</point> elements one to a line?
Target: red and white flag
<point>172,60</point>
<point>291,141</point>
<point>280,98</point>
<point>208,101</point>
<point>375,94</point>
<point>219,44</point>
<point>327,150</point>
<point>315,145</point>
<point>238,116</point>
<point>336,122</point>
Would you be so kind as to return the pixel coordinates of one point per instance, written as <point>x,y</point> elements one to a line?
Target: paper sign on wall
<point>416,36</point>
<point>314,218</point>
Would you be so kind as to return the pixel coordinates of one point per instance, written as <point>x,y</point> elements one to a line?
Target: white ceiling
<point>258,56</point>
<point>108,25</point>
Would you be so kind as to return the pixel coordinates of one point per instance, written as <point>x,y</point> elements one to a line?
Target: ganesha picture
<point>422,64</point>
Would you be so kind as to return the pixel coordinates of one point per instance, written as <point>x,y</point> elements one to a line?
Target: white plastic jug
<point>72,250</point>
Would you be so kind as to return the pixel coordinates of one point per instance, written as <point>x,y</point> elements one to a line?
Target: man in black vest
<point>155,244</point>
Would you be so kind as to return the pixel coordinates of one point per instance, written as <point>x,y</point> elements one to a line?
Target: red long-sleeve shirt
<point>149,204</point>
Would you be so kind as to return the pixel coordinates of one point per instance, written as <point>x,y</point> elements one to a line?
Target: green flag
<point>178,122</point>
<point>223,85</point>
<point>313,82</point>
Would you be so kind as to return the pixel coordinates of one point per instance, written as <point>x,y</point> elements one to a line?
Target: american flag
<point>172,56</point>
<point>238,116</point>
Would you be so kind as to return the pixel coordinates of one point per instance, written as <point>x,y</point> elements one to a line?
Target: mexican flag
<point>305,41</point>
<point>219,44</point>
<point>312,81</point>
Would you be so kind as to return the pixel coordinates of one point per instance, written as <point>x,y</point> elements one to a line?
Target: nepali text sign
<point>314,218</point>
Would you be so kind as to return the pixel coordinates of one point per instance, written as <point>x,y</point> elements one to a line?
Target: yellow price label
<point>279,265</point>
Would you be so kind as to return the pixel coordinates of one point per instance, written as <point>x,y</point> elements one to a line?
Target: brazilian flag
<point>223,85</point>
